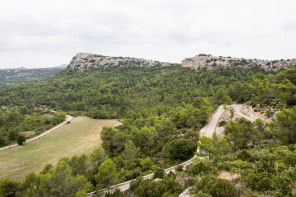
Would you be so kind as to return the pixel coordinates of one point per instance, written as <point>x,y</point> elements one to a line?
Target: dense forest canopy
<point>112,92</point>
<point>163,109</point>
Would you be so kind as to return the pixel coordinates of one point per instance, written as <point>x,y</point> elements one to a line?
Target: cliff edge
<point>87,61</point>
<point>212,62</point>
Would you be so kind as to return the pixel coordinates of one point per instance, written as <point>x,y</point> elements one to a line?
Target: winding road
<point>208,131</point>
<point>237,109</point>
<point>68,118</point>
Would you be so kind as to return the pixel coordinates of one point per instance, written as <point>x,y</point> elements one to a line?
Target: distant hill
<point>62,66</point>
<point>18,75</point>
<point>19,68</point>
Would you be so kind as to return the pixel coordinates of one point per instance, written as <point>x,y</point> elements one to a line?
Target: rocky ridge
<point>87,61</point>
<point>211,62</point>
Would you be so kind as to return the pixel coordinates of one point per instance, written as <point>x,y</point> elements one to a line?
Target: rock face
<point>213,62</point>
<point>87,61</point>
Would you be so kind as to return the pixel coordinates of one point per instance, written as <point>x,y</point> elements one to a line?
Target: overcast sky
<point>46,33</point>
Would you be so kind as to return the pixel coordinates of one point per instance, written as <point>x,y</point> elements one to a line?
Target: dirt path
<point>68,118</point>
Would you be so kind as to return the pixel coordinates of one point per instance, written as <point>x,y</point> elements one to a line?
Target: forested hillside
<point>15,76</point>
<point>111,92</point>
<point>163,109</point>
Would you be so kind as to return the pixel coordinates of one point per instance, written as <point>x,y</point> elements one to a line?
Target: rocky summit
<point>88,61</point>
<point>211,62</point>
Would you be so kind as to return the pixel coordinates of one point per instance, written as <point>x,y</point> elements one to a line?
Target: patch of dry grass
<point>78,137</point>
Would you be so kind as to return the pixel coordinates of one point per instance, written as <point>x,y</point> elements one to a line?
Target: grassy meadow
<point>78,137</point>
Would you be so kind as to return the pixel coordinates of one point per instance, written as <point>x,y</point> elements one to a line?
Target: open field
<point>76,138</point>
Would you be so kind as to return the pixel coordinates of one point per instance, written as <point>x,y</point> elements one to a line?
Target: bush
<point>12,135</point>
<point>21,139</point>
<point>2,141</point>
<point>222,123</point>
<point>9,187</point>
<point>24,110</point>
<point>199,167</point>
<point>243,155</point>
<point>259,181</point>
<point>190,182</point>
<point>179,168</point>
<point>224,188</point>
<point>181,149</point>
<point>159,173</point>
<point>237,165</point>
<point>269,113</point>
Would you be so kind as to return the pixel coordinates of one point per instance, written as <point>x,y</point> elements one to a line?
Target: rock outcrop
<point>87,61</point>
<point>212,62</point>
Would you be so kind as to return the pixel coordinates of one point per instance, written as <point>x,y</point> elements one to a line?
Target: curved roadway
<point>237,109</point>
<point>208,131</point>
<point>68,118</point>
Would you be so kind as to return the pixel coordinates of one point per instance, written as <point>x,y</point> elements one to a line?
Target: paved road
<point>68,118</point>
<point>237,109</point>
<point>208,130</point>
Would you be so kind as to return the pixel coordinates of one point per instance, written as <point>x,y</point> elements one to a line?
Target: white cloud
<point>37,33</point>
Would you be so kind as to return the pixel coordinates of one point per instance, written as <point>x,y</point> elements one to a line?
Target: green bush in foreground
<point>21,139</point>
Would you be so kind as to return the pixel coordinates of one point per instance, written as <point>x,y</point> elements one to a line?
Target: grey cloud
<point>143,28</point>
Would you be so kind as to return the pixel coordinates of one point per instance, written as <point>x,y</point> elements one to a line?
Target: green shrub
<point>12,135</point>
<point>181,149</point>
<point>259,181</point>
<point>21,139</point>
<point>244,155</point>
<point>269,113</point>
<point>199,168</point>
<point>224,188</point>
<point>159,173</point>
<point>2,141</point>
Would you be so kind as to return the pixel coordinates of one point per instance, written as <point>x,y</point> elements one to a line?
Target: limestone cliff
<point>212,62</point>
<point>87,61</point>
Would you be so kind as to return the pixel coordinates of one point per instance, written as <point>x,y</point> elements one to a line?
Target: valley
<point>167,114</point>
<point>78,137</point>
<point>151,98</point>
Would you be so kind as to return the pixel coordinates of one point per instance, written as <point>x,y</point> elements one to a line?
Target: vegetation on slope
<point>112,92</point>
<point>15,123</point>
<point>164,108</point>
